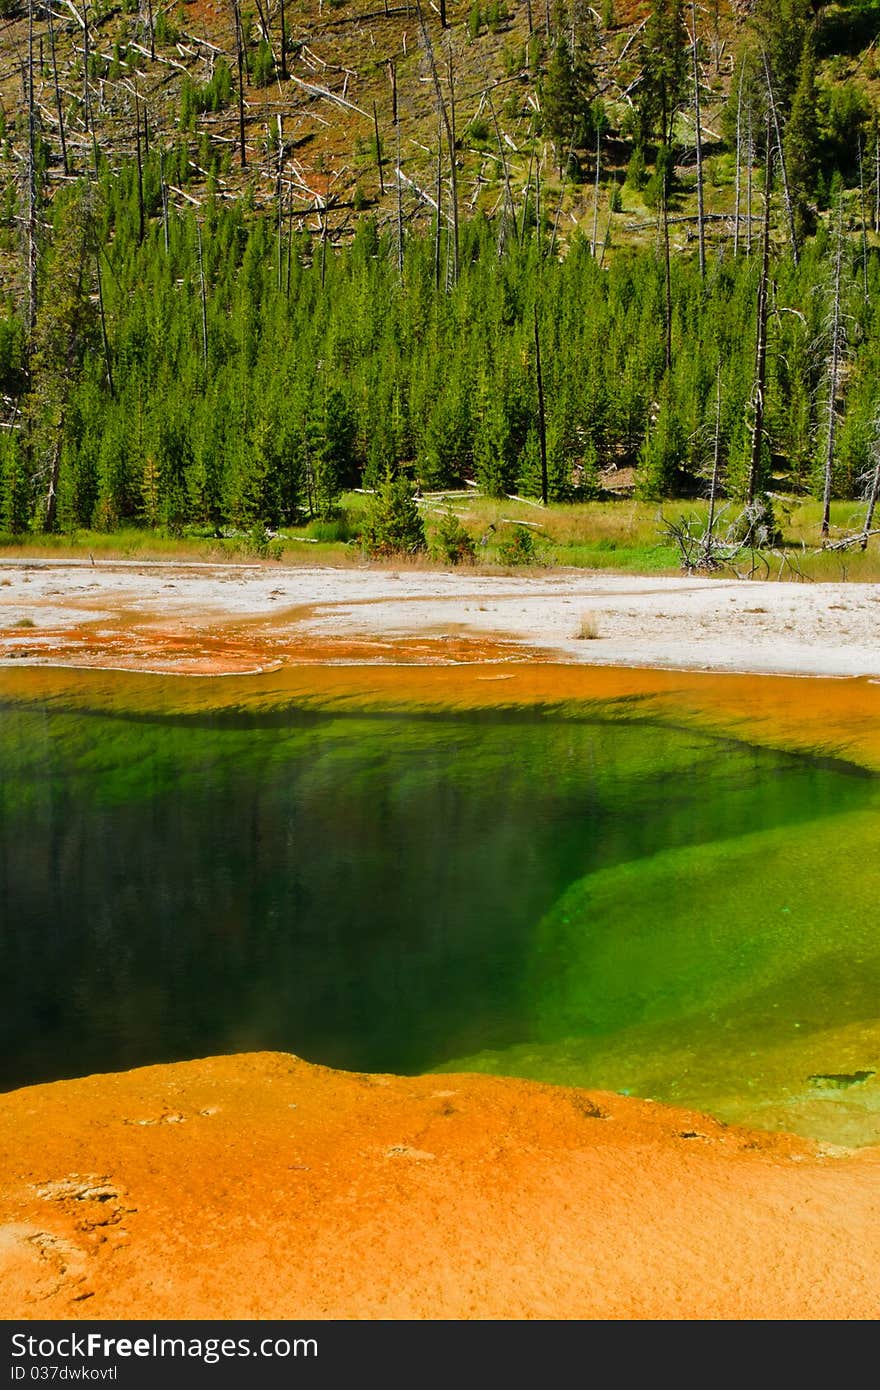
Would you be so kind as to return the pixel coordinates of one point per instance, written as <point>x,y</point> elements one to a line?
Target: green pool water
<point>583,897</point>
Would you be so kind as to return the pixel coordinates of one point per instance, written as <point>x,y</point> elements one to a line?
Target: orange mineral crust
<point>259,1186</point>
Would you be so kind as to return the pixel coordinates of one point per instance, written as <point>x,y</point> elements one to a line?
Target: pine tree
<point>333,452</point>
<point>393,525</point>
<point>783,27</point>
<point>493,441</point>
<point>801,144</point>
<point>65,331</point>
<point>566,99</point>
<point>664,55</point>
<point>662,453</point>
<point>15,489</point>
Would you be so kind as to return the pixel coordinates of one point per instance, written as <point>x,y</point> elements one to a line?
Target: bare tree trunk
<point>877,182</point>
<point>86,99</point>
<point>750,158</point>
<point>279,198</point>
<point>31,181</point>
<point>239,57</point>
<point>54,475</point>
<point>289,251</point>
<point>392,77</point>
<point>439,222</point>
<point>164,201</point>
<point>595,235</point>
<point>667,277</point>
<point>873,494</point>
<point>538,202</point>
<point>739,98</point>
<point>378,150</point>
<point>700,210</point>
<point>152,30</point>
<point>448,125</point>
<point>59,110</point>
<point>521,238</point>
<point>105,340</point>
<point>786,196</point>
<point>399,205</point>
<point>140,166</point>
<point>542,426</point>
<point>833,379</point>
<point>716,457</point>
<point>284,73</point>
<point>453,170</point>
<point>863,221</point>
<point>761,337</point>
<point>264,24</point>
<point>204,298</point>
<point>561,198</point>
<point>509,208</point>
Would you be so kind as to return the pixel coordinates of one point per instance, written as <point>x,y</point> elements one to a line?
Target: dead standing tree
<point>542,425</point>
<point>31,181</point>
<point>239,58</point>
<point>871,480</point>
<point>836,342</point>
<point>786,194</point>
<point>873,491</point>
<point>699,139</point>
<point>757,402</point>
<point>447,116</point>
<point>59,110</point>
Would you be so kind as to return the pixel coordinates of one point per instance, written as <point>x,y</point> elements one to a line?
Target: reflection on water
<point>589,899</point>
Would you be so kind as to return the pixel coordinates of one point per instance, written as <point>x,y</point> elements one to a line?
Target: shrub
<point>393,526</point>
<point>588,627</point>
<point>164,29</point>
<point>636,173</point>
<point>258,539</point>
<point>331,529</point>
<point>757,525</point>
<point>451,543</point>
<point>478,130</point>
<point>262,65</point>
<point>517,547</point>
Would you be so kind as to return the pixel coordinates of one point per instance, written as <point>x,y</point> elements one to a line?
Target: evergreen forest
<point>527,278</point>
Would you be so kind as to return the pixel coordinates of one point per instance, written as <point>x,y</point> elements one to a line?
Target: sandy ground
<point>257,1186</point>
<point>170,616</point>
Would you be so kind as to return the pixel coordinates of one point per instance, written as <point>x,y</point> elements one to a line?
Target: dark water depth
<point>392,893</point>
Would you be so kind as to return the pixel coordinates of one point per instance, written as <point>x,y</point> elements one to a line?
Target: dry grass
<point>622,535</point>
<point>588,627</point>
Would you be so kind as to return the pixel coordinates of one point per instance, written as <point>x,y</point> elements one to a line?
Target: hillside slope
<point>351,68</point>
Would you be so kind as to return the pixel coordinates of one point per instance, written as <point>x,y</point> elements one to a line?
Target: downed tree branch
<point>314,90</point>
<point>529,501</point>
<point>859,538</point>
<point>707,217</point>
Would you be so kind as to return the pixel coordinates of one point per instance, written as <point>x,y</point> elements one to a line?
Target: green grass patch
<point>623,535</point>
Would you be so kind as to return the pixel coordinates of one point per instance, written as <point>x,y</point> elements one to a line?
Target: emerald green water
<point>589,898</point>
